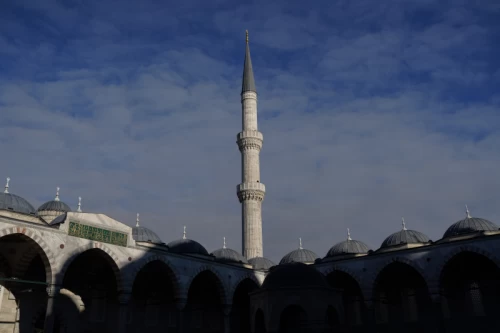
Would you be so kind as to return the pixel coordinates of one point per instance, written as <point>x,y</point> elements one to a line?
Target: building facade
<point>65,271</point>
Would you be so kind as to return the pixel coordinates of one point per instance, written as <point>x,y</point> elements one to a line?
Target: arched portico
<point>152,305</point>
<point>204,308</point>
<point>470,285</point>
<point>240,309</point>
<point>352,297</point>
<point>23,282</point>
<point>402,299</point>
<point>93,276</point>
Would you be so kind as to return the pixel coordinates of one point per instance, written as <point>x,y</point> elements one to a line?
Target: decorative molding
<point>42,249</point>
<point>255,195</point>
<point>249,143</point>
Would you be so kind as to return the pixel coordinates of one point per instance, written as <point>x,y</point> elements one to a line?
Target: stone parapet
<point>249,140</point>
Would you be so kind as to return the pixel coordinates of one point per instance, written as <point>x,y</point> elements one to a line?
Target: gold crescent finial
<point>246,33</point>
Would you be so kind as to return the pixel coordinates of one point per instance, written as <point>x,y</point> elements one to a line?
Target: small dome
<point>261,264</point>
<point>54,205</point>
<point>187,246</point>
<point>469,225</point>
<point>299,255</point>
<point>15,203</point>
<point>292,275</point>
<point>229,255</point>
<point>405,237</point>
<point>142,234</point>
<point>348,246</point>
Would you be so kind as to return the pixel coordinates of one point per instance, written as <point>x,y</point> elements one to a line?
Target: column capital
<point>180,303</point>
<point>226,308</point>
<point>124,297</point>
<point>53,290</point>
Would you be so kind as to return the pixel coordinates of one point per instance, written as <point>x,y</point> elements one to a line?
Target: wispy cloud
<point>369,113</point>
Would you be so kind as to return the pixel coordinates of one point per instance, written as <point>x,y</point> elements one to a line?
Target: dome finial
<point>224,246</point>
<point>300,243</point>
<point>7,186</point>
<point>184,233</point>
<point>403,223</point>
<point>137,220</point>
<point>246,36</point>
<point>79,209</point>
<point>57,194</point>
<point>348,234</point>
<point>467,212</point>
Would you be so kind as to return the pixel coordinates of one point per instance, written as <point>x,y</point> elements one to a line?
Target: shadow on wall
<point>93,295</point>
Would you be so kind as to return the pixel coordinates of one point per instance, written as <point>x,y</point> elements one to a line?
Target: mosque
<point>65,271</point>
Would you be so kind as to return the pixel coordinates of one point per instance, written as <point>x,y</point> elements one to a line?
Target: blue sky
<point>371,111</point>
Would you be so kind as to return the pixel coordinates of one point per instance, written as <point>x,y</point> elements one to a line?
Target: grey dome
<point>229,255</point>
<point>348,246</point>
<point>142,234</point>
<point>54,205</point>
<point>299,255</point>
<point>15,203</point>
<point>405,237</point>
<point>260,263</point>
<point>187,246</point>
<point>469,225</point>
<point>293,275</point>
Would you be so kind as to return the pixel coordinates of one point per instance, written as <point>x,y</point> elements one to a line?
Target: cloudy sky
<point>371,111</point>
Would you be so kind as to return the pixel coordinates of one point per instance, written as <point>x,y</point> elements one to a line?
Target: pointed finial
<point>246,36</point>
<point>79,209</point>
<point>224,246</point>
<point>184,234</point>
<point>467,212</point>
<point>348,234</point>
<point>57,194</point>
<point>7,186</point>
<point>300,243</point>
<point>403,223</point>
<point>137,220</point>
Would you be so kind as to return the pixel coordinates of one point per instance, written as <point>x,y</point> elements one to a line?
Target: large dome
<point>292,275</point>
<point>349,246</point>
<point>261,263</point>
<point>15,203</point>
<point>405,237</point>
<point>142,234</point>
<point>470,225</point>
<point>229,255</point>
<point>54,205</point>
<point>299,255</point>
<point>186,246</point>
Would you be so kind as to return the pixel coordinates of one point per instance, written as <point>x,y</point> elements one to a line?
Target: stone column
<point>180,304</point>
<point>226,309</point>
<point>52,292</point>
<point>123,307</point>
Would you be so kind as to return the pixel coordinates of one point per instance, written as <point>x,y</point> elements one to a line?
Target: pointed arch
<point>464,248</point>
<point>44,250</point>
<point>346,270</point>
<point>222,288</point>
<point>240,280</point>
<point>174,274</point>
<point>109,256</point>
<point>402,260</point>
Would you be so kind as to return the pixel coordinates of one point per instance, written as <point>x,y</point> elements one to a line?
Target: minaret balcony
<point>250,134</point>
<point>251,187</point>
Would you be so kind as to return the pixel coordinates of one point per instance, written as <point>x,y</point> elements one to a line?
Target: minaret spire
<point>251,191</point>
<point>248,79</point>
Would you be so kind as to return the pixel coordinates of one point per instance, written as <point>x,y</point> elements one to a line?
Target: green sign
<point>97,234</point>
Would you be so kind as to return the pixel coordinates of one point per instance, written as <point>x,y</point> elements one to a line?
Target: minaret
<point>251,191</point>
